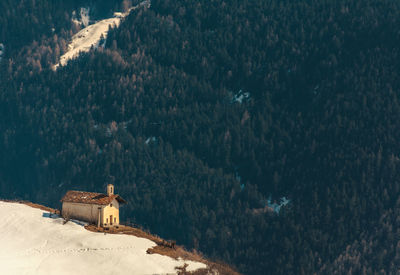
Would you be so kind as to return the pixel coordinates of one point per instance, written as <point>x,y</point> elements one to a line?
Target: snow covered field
<point>91,35</point>
<point>86,38</point>
<point>34,243</point>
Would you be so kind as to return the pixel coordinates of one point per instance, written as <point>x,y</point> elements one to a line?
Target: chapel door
<point>111,219</point>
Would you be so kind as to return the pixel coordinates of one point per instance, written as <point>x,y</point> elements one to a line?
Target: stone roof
<point>90,198</point>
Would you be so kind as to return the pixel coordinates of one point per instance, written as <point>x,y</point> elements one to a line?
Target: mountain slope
<point>35,243</point>
<point>156,113</point>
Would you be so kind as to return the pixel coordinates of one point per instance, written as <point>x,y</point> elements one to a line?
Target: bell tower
<point>110,189</point>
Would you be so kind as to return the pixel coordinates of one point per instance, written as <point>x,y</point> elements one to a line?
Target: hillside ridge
<point>163,247</point>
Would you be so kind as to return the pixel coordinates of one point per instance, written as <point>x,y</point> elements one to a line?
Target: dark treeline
<point>157,113</point>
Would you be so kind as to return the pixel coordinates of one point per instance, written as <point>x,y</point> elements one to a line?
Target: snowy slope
<point>33,243</point>
<point>91,35</point>
<point>86,38</point>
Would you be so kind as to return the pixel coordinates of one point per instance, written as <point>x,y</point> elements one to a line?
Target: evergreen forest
<point>206,115</point>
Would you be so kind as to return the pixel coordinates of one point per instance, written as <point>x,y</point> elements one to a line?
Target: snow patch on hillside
<point>241,97</point>
<point>33,242</point>
<point>87,38</point>
<point>92,35</point>
<point>2,49</point>
<point>84,18</point>
<point>277,206</point>
<point>150,139</point>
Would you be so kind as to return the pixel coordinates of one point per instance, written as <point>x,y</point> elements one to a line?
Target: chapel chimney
<point>110,189</point>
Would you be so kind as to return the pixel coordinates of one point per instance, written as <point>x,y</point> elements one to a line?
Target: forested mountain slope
<point>376,251</point>
<point>156,112</point>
